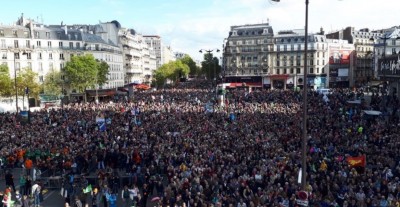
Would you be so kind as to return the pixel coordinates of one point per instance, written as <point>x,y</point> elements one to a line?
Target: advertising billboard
<point>339,56</point>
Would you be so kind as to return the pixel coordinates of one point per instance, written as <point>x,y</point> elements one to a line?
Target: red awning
<point>279,76</point>
<point>142,86</point>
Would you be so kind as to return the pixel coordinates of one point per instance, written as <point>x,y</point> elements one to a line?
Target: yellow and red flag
<point>359,161</point>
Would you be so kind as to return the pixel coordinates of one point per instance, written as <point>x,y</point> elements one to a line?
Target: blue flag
<point>102,126</point>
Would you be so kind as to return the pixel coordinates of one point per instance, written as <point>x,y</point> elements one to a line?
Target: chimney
<point>321,31</point>
<point>66,29</point>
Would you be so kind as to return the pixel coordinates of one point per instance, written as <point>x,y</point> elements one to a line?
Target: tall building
<point>288,61</point>
<point>341,63</point>
<point>247,54</point>
<point>139,60</point>
<point>44,48</point>
<point>254,56</point>
<point>363,41</point>
<point>155,42</point>
<point>387,59</point>
<point>163,53</point>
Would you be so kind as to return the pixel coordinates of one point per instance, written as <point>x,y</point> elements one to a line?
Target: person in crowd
<point>179,145</point>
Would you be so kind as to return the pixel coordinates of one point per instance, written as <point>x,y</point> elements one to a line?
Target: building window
<point>4,56</point>
<point>292,47</point>
<point>323,62</point>
<point>15,43</point>
<point>16,56</point>
<point>291,70</point>
<point>49,44</point>
<point>40,65</point>
<point>311,70</point>
<point>285,48</point>
<point>3,43</point>
<point>394,42</point>
<point>393,51</point>
<point>61,56</point>
<point>50,56</point>
<point>277,63</point>
<point>78,45</point>
<point>15,33</point>
<point>323,70</point>
<point>40,56</point>
<point>29,64</point>
<point>28,55</point>
<point>51,66</point>
<point>298,46</point>
<point>284,71</point>
<point>71,45</point>
<point>317,70</point>
<point>38,44</point>
<point>1,33</point>
<point>277,71</point>
<point>28,43</point>
<point>60,44</point>
<point>298,70</point>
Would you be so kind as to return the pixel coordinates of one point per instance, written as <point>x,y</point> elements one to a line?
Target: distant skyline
<point>191,25</point>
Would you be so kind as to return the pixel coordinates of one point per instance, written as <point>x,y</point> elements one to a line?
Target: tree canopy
<point>208,65</point>
<point>26,78</point>
<point>171,71</point>
<point>102,72</point>
<point>6,84</point>
<point>53,83</point>
<point>192,65</point>
<point>81,72</point>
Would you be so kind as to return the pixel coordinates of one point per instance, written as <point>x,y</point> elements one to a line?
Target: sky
<point>190,25</point>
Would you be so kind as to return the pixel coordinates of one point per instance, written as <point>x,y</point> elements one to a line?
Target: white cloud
<point>195,31</point>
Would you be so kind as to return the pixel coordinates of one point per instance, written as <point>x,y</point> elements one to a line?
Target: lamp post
<point>304,135</point>
<point>215,72</point>
<point>15,84</point>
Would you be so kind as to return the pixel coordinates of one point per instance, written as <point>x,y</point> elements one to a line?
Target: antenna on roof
<point>268,21</point>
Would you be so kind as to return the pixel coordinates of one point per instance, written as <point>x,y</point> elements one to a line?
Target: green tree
<point>6,84</point>
<point>53,83</point>
<point>171,71</point>
<point>26,78</point>
<point>81,72</point>
<point>208,65</point>
<point>189,62</point>
<point>102,72</point>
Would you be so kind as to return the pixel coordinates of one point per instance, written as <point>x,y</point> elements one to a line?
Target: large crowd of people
<point>167,148</point>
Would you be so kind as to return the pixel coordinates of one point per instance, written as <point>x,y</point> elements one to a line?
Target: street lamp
<point>215,72</point>
<point>304,137</point>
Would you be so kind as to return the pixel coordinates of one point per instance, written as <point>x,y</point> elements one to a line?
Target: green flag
<point>88,189</point>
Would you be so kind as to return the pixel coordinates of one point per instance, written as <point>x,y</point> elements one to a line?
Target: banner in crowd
<point>359,161</point>
<point>101,122</point>
<point>24,117</point>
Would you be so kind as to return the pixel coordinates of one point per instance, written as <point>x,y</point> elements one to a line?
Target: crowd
<point>174,151</point>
